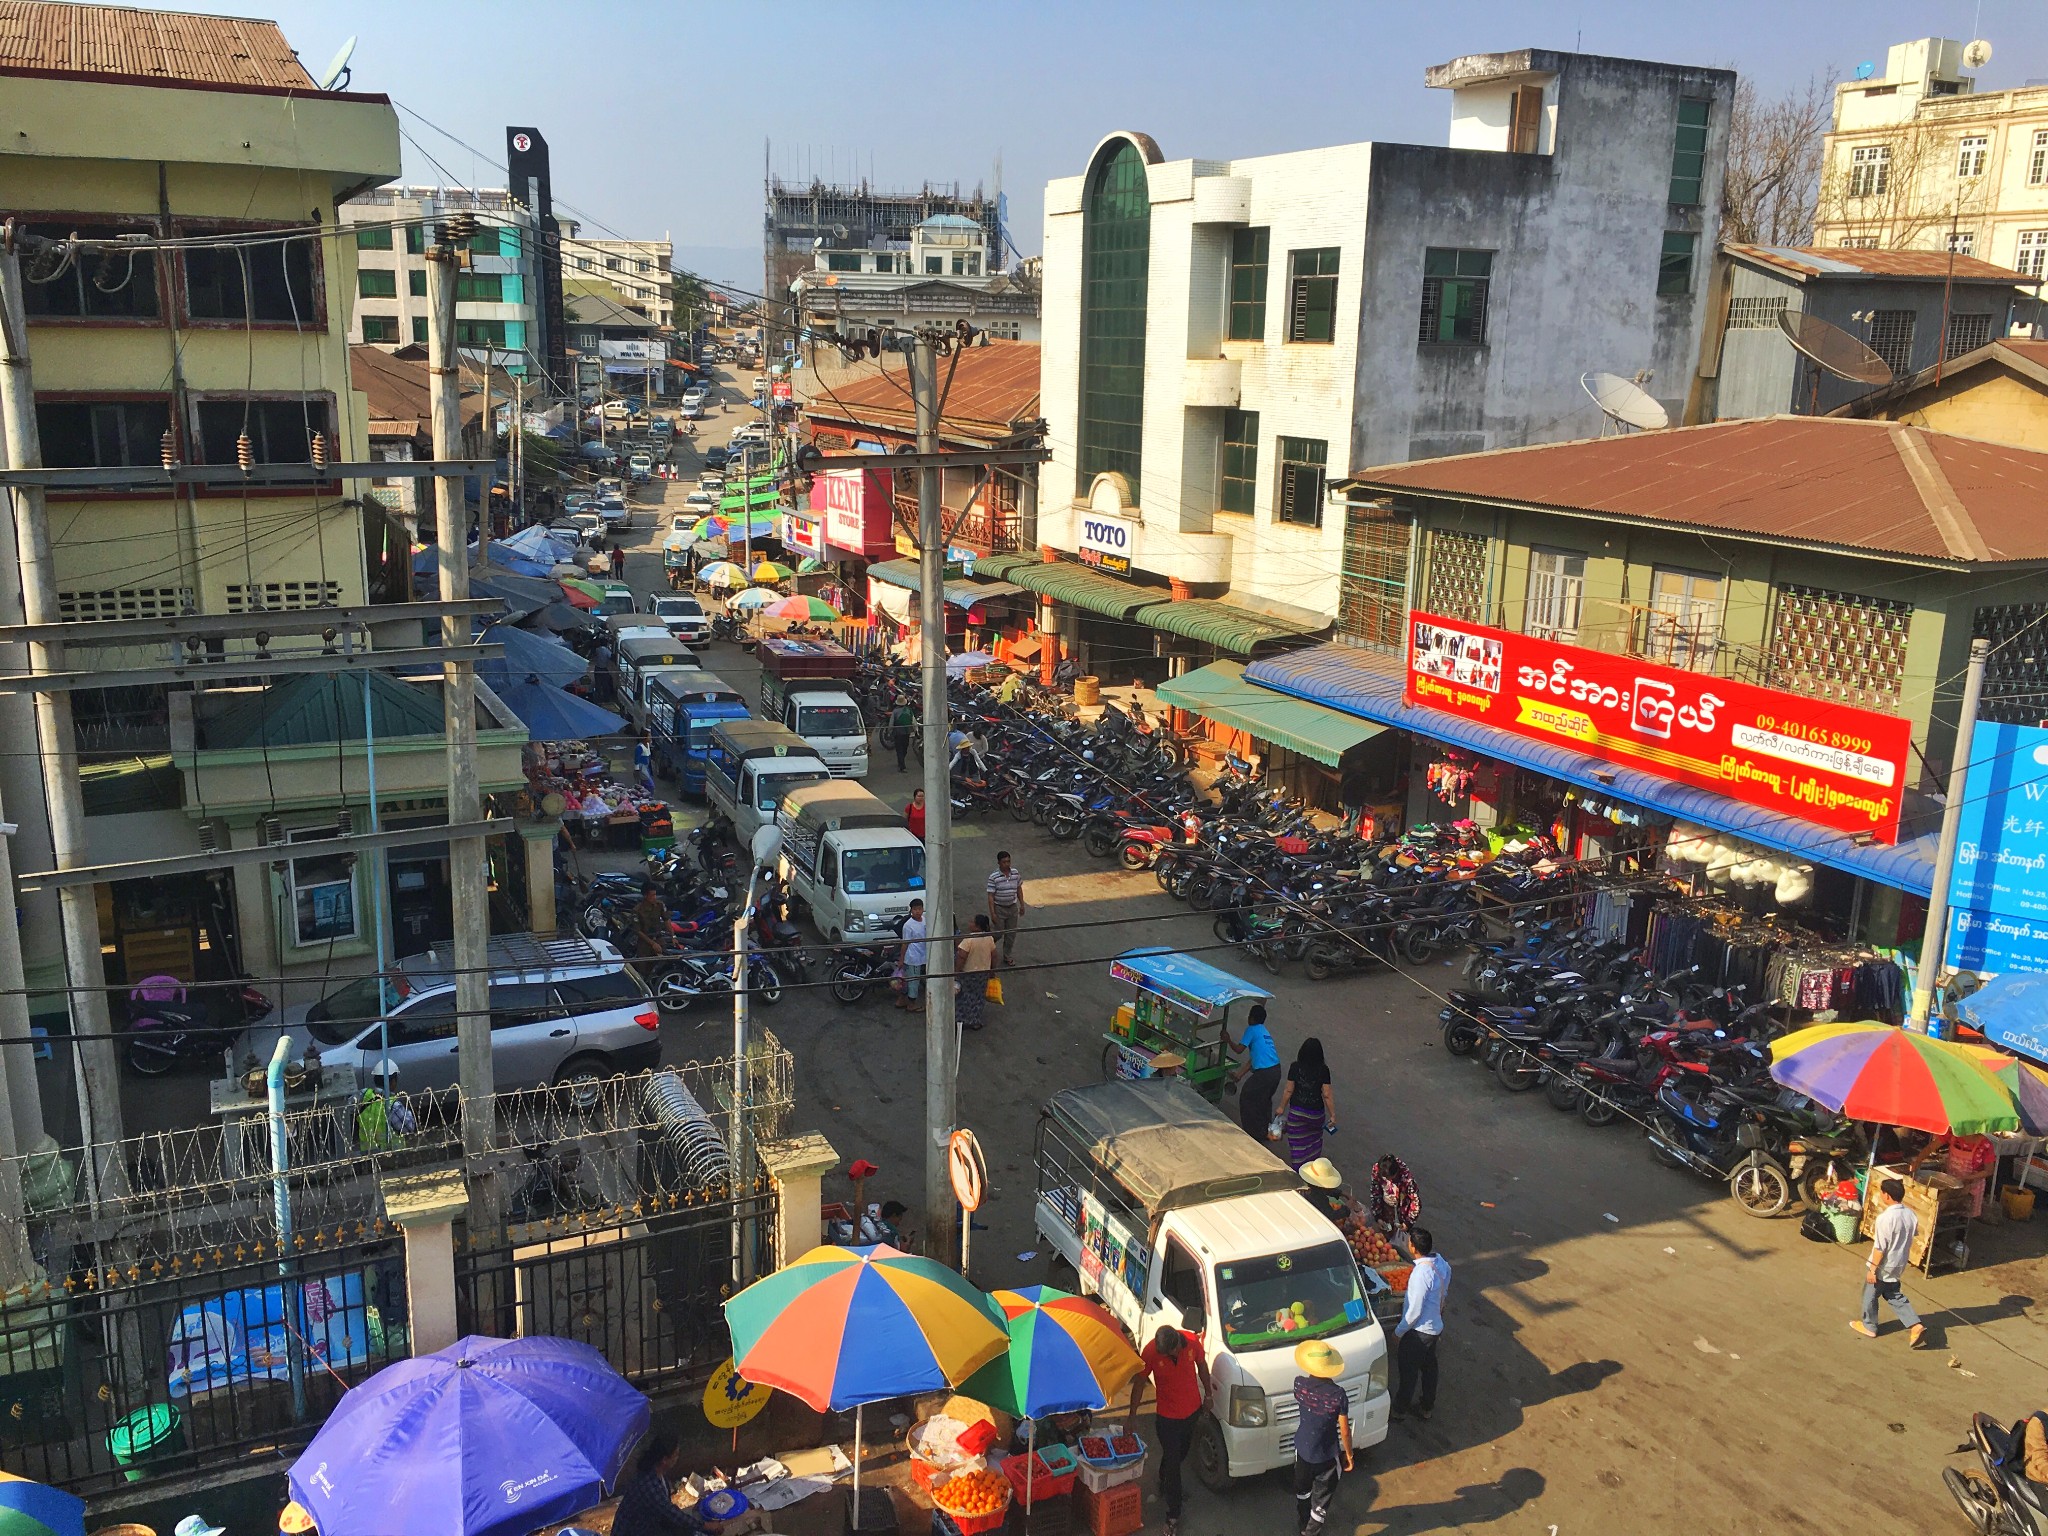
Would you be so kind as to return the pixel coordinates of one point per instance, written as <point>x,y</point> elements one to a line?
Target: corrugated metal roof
<point>1858,486</point>
<point>1368,685</point>
<point>317,710</point>
<point>993,394</point>
<point>1223,625</point>
<point>1937,265</point>
<point>1082,587</point>
<point>909,575</point>
<point>100,40</point>
<point>1220,693</point>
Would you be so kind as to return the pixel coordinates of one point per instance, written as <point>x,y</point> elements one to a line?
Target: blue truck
<point>682,709</point>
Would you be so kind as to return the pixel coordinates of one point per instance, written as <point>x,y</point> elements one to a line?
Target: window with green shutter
<point>1240,477</point>
<point>1116,249</point>
<point>1312,295</point>
<point>416,239</point>
<point>1248,284</point>
<point>1454,292</point>
<point>380,328</point>
<point>1689,152</point>
<point>479,288</point>
<point>377,283</point>
<point>416,282</point>
<point>373,237</point>
<point>1674,267</point>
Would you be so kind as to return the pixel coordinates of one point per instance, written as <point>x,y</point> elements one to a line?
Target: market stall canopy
<point>1892,1076</point>
<point>1166,1144</point>
<point>968,661</point>
<point>530,655</point>
<point>1226,626</point>
<point>753,597</point>
<point>2012,1011</point>
<point>722,573</point>
<point>814,609</point>
<point>960,592</point>
<point>554,714</point>
<point>1220,692</point>
<point>1076,584</point>
<point>1182,980</point>
<point>1066,1355</point>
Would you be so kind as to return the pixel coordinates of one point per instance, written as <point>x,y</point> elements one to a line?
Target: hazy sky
<point>658,113</point>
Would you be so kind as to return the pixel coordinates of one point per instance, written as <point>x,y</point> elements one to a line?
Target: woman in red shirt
<point>913,815</point>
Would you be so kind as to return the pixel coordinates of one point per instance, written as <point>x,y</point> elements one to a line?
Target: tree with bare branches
<point>1897,189</point>
<point>1772,183</point>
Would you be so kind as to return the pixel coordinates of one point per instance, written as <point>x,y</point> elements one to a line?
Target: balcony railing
<point>991,530</point>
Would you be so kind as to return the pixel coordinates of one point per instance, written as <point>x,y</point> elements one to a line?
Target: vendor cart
<point>1180,1006</point>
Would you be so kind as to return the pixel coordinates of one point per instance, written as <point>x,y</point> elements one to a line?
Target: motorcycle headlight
<point>1248,1407</point>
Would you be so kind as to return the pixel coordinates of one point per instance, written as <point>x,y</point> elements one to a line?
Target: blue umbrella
<point>488,1437</point>
<point>550,714</point>
<point>2012,1011</point>
<point>528,655</point>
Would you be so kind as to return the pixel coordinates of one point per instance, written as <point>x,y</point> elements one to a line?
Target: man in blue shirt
<point>1259,1078</point>
<point>1422,1324</point>
<point>1322,1435</point>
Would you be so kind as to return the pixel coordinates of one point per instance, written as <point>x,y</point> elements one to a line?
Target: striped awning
<point>1219,692</point>
<point>1223,625</point>
<point>1078,585</point>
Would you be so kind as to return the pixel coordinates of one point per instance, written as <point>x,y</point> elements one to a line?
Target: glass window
<point>1116,249</point>
<point>1557,594</point>
<point>419,329</point>
<point>842,261</point>
<point>373,237</point>
<point>1299,497</point>
<point>337,1017</point>
<point>829,720</point>
<point>1684,621</point>
<point>1970,152</point>
<point>1180,1278</point>
<point>102,434</point>
<point>1312,295</point>
<point>2033,247</point>
<point>607,989</point>
<point>1240,461</point>
<point>321,891</point>
<point>1966,333</point>
<point>104,287</point>
<point>1689,152</point>
<point>416,282</point>
<point>480,287</point>
<point>1963,242</point>
<point>884,871</point>
<point>2037,159</point>
<point>416,239</point>
<point>1316,1289</point>
<point>1674,266</point>
<point>517,1003</point>
<point>935,266</point>
<point>377,283</point>
<point>260,282</point>
<point>429,1018</point>
<point>1248,284</point>
<point>279,430</point>
<point>380,328</point>
<point>1870,168</point>
<point>1454,285</point>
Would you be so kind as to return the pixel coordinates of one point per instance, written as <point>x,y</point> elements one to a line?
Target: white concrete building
<point>1257,327</point>
<point>638,269</point>
<point>495,295</point>
<point>945,271</point>
<point>1917,159</point>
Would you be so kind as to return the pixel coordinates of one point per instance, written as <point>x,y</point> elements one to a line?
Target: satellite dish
<point>1976,53</point>
<point>337,73</point>
<point>1834,349</point>
<point>1865,70</point>
<point>1624,402</point>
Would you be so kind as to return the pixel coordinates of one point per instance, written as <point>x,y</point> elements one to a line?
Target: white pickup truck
<point>749,766</point>
<point>849,859</point>
<point>1170,1214</point>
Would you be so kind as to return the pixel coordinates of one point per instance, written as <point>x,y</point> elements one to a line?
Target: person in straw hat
<point>1322,1186</point>
<point>1322,1435</point>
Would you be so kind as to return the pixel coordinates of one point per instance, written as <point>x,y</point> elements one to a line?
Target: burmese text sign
<point>1998,898</point>
<point>1829,764</point>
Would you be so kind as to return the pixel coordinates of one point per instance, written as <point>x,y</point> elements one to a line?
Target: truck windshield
<point>882,871</point>
<point>773,786</point>
<point>1285,1298</point>
<point>829,720</point>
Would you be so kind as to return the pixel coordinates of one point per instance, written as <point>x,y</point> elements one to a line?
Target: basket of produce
<point>1110,1450</point>
<point>973,1501</point>
<point>1048,1473</point>
<point>936,1452</point>
<point>1370,1247</point>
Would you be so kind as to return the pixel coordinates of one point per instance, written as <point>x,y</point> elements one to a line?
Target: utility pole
<point>458,687</point>
<point>489,425</point>
<point>97,1069</point>
<point>1934,942</point>
<point>941,1037</point>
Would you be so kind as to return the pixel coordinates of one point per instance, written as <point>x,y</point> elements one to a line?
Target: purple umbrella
<point>488,1437</point>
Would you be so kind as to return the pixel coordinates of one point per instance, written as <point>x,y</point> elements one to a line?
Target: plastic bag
<point>993,990</point>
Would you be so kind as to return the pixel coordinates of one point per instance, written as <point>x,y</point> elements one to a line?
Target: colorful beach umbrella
<point>36,1509</point>
<point>753,597</point>
<point>580,593</point>
<point>769,570</point>
<point>722,573</point>
<point>842,1327</point>
<point>808,564</point>
<point>712,527</point>
<point>1892,1076</point>
<point>801,608</point>
<point>2025,1082</point>
<point>1066,1355</point>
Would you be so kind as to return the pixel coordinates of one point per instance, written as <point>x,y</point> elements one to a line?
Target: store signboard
<point>639,351</point>
<point>781,389</point>
<point>804,535</point>
<point>855,506</point>
<point>1107,542</point>
<point>1998,897</point>
<point>1829,764</point>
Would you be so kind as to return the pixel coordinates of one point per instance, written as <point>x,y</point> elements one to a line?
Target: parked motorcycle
<point>684,978</point>
<point>167,1026</point>
<point>2001,1502</point>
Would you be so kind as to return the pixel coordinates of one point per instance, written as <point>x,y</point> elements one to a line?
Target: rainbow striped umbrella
<point>722,573</point>
<point>769,570</point>
<point>1066,1354</point>
<point>801,608</point>
<point>2027,1084</point>
<point>841,1327</point>
<point>1894,1077</point>
<point>753,597</point>
<point>36,1509</point>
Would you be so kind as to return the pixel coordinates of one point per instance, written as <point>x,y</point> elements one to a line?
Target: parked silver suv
<point>564,1011</point>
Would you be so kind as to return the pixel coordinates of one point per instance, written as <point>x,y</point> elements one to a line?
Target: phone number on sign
<point>1843,740</point>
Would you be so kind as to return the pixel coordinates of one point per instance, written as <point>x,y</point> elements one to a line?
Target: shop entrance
<point>422,906</point>
<point>179,925</point>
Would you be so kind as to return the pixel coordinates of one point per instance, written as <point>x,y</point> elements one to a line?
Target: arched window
<point>1116,246</point>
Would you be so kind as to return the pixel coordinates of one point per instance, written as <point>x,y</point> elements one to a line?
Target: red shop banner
<point>1830,764</point>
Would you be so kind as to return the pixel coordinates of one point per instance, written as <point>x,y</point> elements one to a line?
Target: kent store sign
<point>1107,542</point>
<point>1829,764</point>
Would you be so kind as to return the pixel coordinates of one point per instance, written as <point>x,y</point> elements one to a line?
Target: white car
<point>615,512</point>
<point>701,502</point>
<point>692,410</point>
<point>617,410</point>
<point>685,618</point>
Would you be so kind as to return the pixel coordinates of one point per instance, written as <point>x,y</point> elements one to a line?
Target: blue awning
<point>1368,684</point>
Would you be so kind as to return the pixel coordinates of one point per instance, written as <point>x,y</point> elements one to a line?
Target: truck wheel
<point>1212,1461</point>
<point>1110,1058</point>
<point>1061,1275</point>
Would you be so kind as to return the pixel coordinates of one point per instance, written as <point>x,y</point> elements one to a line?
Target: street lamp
<point>765,849</point>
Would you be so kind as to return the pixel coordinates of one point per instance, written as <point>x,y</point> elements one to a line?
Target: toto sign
<point>1106,542</point>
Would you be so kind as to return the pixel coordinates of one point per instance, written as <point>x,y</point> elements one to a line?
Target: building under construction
<point>856,218</point>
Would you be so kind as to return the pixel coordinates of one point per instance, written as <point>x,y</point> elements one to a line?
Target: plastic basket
<point>1045,1482</point>
<point>1117,1512</point>
<point>1110,1463</point>
<point>1102,1479</point>
<point>967,1525</point>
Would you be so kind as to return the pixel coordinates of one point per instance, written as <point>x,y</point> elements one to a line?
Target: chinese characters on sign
<point>1829,764</point>
<point>1998,898</point>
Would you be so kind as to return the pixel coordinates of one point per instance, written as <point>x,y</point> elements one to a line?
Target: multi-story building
<point>639,269</point>
<point>495,295</point>
<point>613,347</point>
<point>945,271</point>
<point>1918,159</point>
<point>1253,327</point>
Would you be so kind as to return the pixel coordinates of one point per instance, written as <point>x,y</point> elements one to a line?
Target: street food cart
<point>1179,1006</point>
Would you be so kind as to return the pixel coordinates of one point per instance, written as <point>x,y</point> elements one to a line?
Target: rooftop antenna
<point>338,74</point>
<point>1832,350</point>
<point>1624,402</point>
<point>1976,53</point>
<point>1865,70</point>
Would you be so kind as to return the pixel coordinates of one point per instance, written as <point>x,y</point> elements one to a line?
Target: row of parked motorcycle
<point>1583,1020</point>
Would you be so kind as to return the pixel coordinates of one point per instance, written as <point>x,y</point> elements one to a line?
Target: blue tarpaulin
<point>1193,984</point>
<point>1368,685</point>
<point>550,714</point>
<point>242,1336</point>
<point>528,655</point>
<point>2012,1010</point>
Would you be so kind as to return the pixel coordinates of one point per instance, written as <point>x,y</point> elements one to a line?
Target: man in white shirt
<point>1891,1242</point>
<point>1421,1325</point>
<point>914,936</point>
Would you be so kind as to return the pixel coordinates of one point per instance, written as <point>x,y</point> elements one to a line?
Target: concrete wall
<point>1988,403</point>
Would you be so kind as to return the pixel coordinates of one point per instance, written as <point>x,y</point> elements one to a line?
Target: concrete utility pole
<point>941,1037</point>
<point>1934,943</point>
<point>465,803</point>
<point>97,1069</point>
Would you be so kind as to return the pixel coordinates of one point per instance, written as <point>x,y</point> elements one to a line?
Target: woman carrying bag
<point>1308,1109</point>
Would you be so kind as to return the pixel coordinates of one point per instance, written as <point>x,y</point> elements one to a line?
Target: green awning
<point>759,501</point>
<point>1078,585</point>
<point>960,592</point>
<point>1223,625</point>
<point>1219,692</point>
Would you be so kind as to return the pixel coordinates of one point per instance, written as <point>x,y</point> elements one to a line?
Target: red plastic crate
<point>1045,1484</point>
<point>1118,1512</point>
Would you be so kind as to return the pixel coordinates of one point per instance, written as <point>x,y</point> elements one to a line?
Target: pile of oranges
<point>973,1495</point>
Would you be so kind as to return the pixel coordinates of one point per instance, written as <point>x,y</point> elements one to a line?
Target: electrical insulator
<point>167,450</point>
<point>319,450</point>
<point>245,452</point>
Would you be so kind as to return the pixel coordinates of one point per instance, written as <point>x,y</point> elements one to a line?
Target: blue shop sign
<point>1998,897</point>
